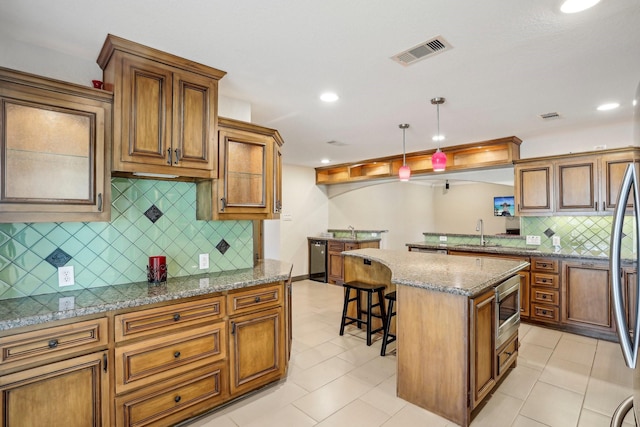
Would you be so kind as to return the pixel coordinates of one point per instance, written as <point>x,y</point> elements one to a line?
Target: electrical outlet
<point>65,276</point>
<point>204,261</point>
<point>443,238</point>
<point>555,240</point>
<point>66,303</point>
<point>533,240</point>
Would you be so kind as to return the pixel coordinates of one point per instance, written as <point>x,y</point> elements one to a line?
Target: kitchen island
<point>447,359</point>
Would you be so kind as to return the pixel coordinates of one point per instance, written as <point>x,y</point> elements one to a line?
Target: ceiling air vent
<point>549,116</point>
<point>336,143</point>
<point>423,50</point>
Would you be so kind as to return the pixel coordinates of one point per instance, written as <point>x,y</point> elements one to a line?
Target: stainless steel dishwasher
<point>318,260</point>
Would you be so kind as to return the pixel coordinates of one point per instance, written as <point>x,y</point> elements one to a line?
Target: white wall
<point>458,209</point>
<point>403,208</point>
<point>304,214</point>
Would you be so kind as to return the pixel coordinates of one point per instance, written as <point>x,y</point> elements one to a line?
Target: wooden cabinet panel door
<point>533,189</point>
<point>577,190</point>
<point>613,168</point>
<point>194,138</point>
<point>586,296</point>
<point>145,125</point>
<point>257,347</point>
<point>524,293</point>
<point>483,324</point>
<point>71,393</point>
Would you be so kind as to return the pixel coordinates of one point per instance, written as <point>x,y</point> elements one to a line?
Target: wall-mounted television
<point>504,206</point>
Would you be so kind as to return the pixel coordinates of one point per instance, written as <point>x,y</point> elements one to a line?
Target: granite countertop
<point>468,276</point>
<point>37,309</point>
<point>508,250</point>
<point>347,239</point>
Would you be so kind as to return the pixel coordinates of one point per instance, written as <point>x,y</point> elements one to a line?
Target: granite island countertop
<point>44,308</point>
<point>468,276</point>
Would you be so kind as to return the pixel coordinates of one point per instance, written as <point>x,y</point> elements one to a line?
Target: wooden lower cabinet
<point>175,399</point>
<point>257,336</point>
<point>483,333</point>
<point>335,259</point>
<point>69,393</point>
<point>586,296</point>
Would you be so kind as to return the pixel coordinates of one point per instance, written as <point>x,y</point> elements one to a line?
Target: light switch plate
<point>66,303</point>
<point>533,240</point>
<point>203,261</point>
<point>555,240</point>
<point>65,276</point>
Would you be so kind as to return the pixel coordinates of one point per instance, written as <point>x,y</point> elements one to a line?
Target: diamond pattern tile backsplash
<point>118,251</point>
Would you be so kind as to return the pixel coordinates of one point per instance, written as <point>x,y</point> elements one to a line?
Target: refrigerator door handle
<point>621,412</point>
<point>628,343</point>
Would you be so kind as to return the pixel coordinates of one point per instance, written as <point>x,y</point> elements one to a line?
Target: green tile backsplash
<point>117,252</point>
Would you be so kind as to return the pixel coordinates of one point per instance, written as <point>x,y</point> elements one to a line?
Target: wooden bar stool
<point>370,289</point>
<point>388,337</point>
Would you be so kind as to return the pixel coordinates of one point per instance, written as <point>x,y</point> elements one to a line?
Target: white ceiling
<point>510,62</point>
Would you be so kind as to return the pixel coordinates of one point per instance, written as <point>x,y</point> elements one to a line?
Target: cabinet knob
<point>176,354</point>
<point>53,343</point>
<point>544,311</point>
<point>508,353</point>
<point>257,299</point>
<point>177,399</point>
<point>176,317</point>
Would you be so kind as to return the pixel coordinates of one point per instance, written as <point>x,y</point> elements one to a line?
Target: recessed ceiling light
<point>325,161</point>
<point>635,102</point>
<point>609,106</point>
<point>573,6</point>
<point>438,138</point>
<point>329,97</point>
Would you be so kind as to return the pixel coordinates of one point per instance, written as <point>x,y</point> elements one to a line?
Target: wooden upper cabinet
<point>165,114</point>
<point>572,184</point>
<point>54,143</point>
<point>534,188</point>
<point>249,184</point>
<point>576,186</point>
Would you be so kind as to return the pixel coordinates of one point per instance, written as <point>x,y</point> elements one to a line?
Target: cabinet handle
<point>544,296</point>
<point>508,354</point>
<point>176,317</point>
<point>53,343</point>
<point>176,354</point>
<point>169,159</point>
<point>233,328</point>
<point>595,206</point>
<point>603,206</point>
<point>257,299</point>
<point>544,311</point>
<point>223,203</point>
<point>99,202</point>
<point>177,399</point>
<point>177,150</point>
<point>105,361</point>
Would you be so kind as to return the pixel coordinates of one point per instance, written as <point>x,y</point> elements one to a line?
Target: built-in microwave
<point>507,309</point>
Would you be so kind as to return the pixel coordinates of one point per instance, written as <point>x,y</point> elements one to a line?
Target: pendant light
<point>438,159</point>
<point>405,171</point>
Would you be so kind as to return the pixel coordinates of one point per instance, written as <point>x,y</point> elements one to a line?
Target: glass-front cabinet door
<point>52,150</point>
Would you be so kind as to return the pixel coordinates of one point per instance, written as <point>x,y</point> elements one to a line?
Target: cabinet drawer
<point>163,357</point>
<point>507,354</point>
<point>542,279</point>
<point>336,246</point>
<point>42,345</point>
<point>547,313</point>
<point>166,403</point>
<point>545,296</point>
<point>254,299</point>
<point>351,246</point>
<point>164,319</point>
<point>544,264</point>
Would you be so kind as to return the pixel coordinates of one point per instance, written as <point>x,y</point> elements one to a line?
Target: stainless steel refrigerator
<point>628,334</point>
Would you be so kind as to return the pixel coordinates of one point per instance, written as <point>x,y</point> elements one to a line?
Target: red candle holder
<point>157,269</point>
<point>97,84</point>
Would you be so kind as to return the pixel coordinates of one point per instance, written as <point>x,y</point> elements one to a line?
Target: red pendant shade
<point>404,173</point>
<point>438,161</point>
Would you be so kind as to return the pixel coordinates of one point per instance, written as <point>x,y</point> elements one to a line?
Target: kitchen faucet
<point>353,232</point>
<point>480,228</point>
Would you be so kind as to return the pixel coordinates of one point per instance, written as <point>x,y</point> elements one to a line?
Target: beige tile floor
<point>562,380</point>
